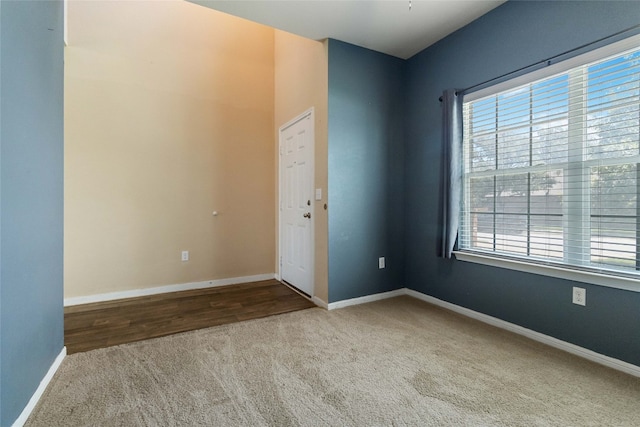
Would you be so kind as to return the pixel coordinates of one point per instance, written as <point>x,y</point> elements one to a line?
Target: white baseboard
<point>320,303</point>
<point>366,299</point>
<point>601,359</point>
<point>164,289</point>
<point>41,388</point>
<point>536,336</point>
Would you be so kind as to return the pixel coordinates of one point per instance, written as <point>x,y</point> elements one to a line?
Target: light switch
<point>318,193</point>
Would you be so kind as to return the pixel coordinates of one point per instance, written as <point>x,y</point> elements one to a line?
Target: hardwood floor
<point>97,325</point>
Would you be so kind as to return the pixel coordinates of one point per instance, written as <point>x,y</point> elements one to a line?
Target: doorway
<point>296,213</point>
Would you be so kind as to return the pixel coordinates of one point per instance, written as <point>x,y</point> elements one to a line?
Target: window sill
<point>611,281</point>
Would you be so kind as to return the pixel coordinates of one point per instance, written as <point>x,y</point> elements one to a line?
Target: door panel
<point>296,208</point>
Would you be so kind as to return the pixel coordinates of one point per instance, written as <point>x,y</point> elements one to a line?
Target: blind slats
<point>552,168</point>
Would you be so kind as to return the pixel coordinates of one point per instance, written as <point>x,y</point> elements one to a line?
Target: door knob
<point>307,215</point>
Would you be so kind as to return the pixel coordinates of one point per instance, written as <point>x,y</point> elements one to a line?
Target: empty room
<point>319,213</point>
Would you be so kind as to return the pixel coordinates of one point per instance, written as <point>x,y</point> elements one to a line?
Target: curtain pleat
<point>452,169</point>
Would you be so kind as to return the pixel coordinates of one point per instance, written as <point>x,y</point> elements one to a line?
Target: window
<point>551,167</point>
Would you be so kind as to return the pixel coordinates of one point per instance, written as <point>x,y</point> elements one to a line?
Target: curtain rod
<point>547,61</point>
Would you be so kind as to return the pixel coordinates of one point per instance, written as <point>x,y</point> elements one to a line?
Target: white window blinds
<point>551,168</point>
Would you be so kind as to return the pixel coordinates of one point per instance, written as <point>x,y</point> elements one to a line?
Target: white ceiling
<point>387,26</point>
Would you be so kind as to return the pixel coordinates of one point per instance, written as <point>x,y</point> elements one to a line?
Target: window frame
<point>614,279</point>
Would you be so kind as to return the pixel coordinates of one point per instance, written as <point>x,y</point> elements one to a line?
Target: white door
<point>296,202</point>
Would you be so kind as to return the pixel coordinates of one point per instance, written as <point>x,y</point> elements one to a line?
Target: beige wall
<point>301,82</point>
<point>169,115</point>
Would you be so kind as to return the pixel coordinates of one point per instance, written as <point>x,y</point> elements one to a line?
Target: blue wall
<point>31,197</point>
<point>514,35</point>
<point>365,171</point>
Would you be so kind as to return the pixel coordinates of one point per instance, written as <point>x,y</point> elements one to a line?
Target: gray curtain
<point>451,170</point>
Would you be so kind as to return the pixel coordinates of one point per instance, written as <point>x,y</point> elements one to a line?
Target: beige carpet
<point>398,362</point>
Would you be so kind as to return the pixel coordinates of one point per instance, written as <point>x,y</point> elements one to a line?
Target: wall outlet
<point>579,296</point>
<point>381,262</point>
<point>185,255</point>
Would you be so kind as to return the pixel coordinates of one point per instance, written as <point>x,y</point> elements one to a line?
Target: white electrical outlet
<point>381,262</point>
<point>185,255</point>
<point>579,296</point>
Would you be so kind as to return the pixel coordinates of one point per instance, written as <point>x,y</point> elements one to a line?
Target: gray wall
<point>365,171</point>
<point>31,198</point>
<point>512,36</point>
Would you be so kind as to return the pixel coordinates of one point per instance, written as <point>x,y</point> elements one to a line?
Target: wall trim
<point>24,415</point>
<point>320,303</point>
<point>585,353</point>
<point>165,289</point>
<point>576,350</point>
<point>366,299</point>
